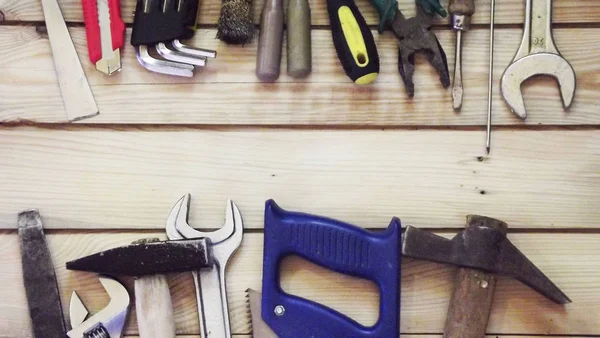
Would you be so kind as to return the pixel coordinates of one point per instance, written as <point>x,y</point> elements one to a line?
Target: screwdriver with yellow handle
<point>353,41</point>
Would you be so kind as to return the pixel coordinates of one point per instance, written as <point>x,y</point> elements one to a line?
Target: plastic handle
<point>353,41</point>
<point>117,26</point>
<point>92,27</point>
<point>337,246</point>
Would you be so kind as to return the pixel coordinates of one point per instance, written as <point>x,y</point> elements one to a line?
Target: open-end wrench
<point>109,322</point>
<point>537,55</point>
<point>211,292</point>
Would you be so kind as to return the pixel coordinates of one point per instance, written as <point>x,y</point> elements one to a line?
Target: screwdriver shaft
<point>488,142</point>
<point>457,87</point>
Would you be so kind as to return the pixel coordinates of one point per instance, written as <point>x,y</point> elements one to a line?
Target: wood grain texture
<point>568,259</point>
<point>507,11</point>
<point>104,178</point>
<point>227,91</point>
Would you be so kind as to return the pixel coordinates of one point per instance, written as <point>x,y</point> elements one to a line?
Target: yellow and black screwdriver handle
<point>353,41</point>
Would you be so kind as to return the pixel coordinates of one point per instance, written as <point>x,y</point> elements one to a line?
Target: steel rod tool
<point>488,129</point>
<point>537,55</point>
<point>206,254</point>
<point>336,246</point>
<point>481,251</point>
<point>41,288</point>
<point>105,32</point>
<point>75,90</point>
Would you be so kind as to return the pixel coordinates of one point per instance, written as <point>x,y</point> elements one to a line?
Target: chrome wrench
<point>537,55</point>
<point>211,291</point>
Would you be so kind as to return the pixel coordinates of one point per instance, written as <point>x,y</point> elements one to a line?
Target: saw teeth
<point>248,311</point>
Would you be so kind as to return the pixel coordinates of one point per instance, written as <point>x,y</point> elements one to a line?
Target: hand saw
<point>334,245</point>
<point>105,31</point>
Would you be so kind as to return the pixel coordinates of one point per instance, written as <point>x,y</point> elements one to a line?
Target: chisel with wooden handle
<point>461,11</point>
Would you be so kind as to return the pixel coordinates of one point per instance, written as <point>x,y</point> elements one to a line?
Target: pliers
<point>414,35</point>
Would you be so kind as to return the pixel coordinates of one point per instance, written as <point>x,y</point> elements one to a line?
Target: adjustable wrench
<point>537,55</point>
<point>109,322</point>
<point>211,292</point>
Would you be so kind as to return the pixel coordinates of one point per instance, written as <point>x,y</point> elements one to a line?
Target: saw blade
<point>41,288</point>
<point>260,329</point>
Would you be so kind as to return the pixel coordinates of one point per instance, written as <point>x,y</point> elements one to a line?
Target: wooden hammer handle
<point>153,306</point>
<point>473,295</point>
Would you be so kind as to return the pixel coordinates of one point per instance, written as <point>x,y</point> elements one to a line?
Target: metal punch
<point>211,292</point>
<point>537,55</point>
<point>109,322</point>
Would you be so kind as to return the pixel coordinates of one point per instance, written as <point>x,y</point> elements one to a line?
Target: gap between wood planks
<point>125,127</point>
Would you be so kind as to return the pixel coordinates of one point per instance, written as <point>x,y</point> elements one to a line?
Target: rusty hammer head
<point>481,246</point>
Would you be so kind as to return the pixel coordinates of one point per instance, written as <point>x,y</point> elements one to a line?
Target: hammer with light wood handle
<point>153,305</point>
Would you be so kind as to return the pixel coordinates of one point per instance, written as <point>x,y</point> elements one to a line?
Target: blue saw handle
<point>336,246</point>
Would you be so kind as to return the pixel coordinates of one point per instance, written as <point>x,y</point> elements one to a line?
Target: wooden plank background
<point>320,145</point>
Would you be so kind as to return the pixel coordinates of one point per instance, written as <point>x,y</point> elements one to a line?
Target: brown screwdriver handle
<point>462,7</point>
<point>153,306</point>
<point>473,295</point>
<point>270,41</point>
<point>299,54</point>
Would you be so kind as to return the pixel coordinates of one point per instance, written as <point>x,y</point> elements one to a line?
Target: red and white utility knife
<point>105,32</point>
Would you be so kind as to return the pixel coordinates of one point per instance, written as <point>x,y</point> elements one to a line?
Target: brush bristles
<point>235,24</point>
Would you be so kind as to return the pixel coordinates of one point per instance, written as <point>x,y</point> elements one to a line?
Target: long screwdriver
<point>461,12</point>
<point>488,139</point>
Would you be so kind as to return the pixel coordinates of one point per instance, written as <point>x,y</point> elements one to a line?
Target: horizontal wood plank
<point>568,259</point>
<point>227,91</point>
<point>105,178</point>
<point>507,11</point>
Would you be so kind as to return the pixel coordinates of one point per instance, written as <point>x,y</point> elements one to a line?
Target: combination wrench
<point>537,55</point>
<point>211,292</point>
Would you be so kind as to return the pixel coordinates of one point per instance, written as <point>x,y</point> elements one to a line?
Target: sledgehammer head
<point>481,247</point>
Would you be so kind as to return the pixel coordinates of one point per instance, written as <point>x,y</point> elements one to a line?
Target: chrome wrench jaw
<point>537,55</point>
<point>231,225</point>
<point>110,320</point>
<point>532,65</point>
